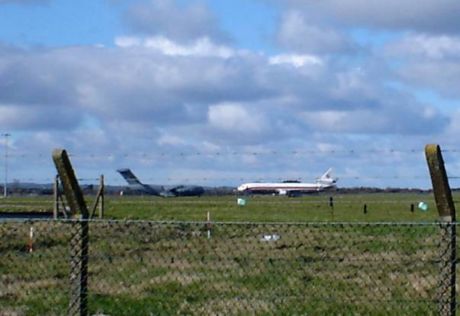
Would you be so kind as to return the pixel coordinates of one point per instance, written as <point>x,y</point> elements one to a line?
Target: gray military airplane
<point>177,190</point>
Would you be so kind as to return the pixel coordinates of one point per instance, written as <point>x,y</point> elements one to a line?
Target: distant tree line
<point>47,189</point>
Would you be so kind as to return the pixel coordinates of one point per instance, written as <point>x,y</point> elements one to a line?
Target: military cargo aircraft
<point>160,190</point>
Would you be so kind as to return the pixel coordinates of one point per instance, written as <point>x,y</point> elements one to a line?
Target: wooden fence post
<point>78,304</point>
<point>72,190</point>
<point>447,217</point>
<point>99,200</point>
<point>56,197</point>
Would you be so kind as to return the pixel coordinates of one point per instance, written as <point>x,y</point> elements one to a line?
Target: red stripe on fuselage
<point>283,188</point>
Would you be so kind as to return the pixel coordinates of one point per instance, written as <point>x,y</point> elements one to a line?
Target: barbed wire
<point>233,180</point>
<point>290,152</point>
<point>255,179</point>
<point>237,178</point>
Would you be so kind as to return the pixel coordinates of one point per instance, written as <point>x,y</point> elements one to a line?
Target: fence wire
<point>198,268</point>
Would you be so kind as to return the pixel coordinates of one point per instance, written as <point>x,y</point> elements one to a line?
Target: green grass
<point>381,207</point>
<point>347,208</point>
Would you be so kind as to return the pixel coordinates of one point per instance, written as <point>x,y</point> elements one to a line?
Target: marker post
<point>208,225</point>
<point>31,239</point>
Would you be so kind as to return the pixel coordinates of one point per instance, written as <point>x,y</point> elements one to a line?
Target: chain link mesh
<point>183,268</point>
<point>34,268</point>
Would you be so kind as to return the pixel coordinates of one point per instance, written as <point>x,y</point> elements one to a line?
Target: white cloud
<point>170,19</point>
<point>295,60</point>
<point>427,62</point>
<point>326,120</point>
<point>156,94</point>
<point>133,87</point>
<point>381,119</point>
<point>202,47</point>
<point>297,33</point>
<point>435,16</point>
<point>236,118</point>
<point>128,41</point>
<point>426,46</point>
<point>167,139</point>
<point>453,130</point>
<point>24,117</point>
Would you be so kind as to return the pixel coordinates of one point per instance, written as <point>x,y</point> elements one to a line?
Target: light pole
<point>5,186</point>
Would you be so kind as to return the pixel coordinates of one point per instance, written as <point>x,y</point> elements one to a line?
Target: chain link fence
<point>191,268</point>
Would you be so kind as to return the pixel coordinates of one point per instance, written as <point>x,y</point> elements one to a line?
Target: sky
<point>223,92</point>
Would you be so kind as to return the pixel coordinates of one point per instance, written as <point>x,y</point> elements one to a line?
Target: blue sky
<point>59,23</point>
<point>219,92</point>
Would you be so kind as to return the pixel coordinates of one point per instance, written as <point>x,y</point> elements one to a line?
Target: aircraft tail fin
<point>327,178</point>
<point>135,184</point>
<point>129,176</point>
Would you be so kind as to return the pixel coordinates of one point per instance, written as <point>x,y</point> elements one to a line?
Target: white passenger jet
<point>290,188</point>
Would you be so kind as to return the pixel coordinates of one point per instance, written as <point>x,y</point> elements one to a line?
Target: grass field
<point>348,207</point>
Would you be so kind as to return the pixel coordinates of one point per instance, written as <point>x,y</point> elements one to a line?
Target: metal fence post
<point>446,210</point>
<point>78,304</point>
<point>101,191</point>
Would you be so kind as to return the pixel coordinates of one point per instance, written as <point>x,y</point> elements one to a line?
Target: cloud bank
<point>176,82</point>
